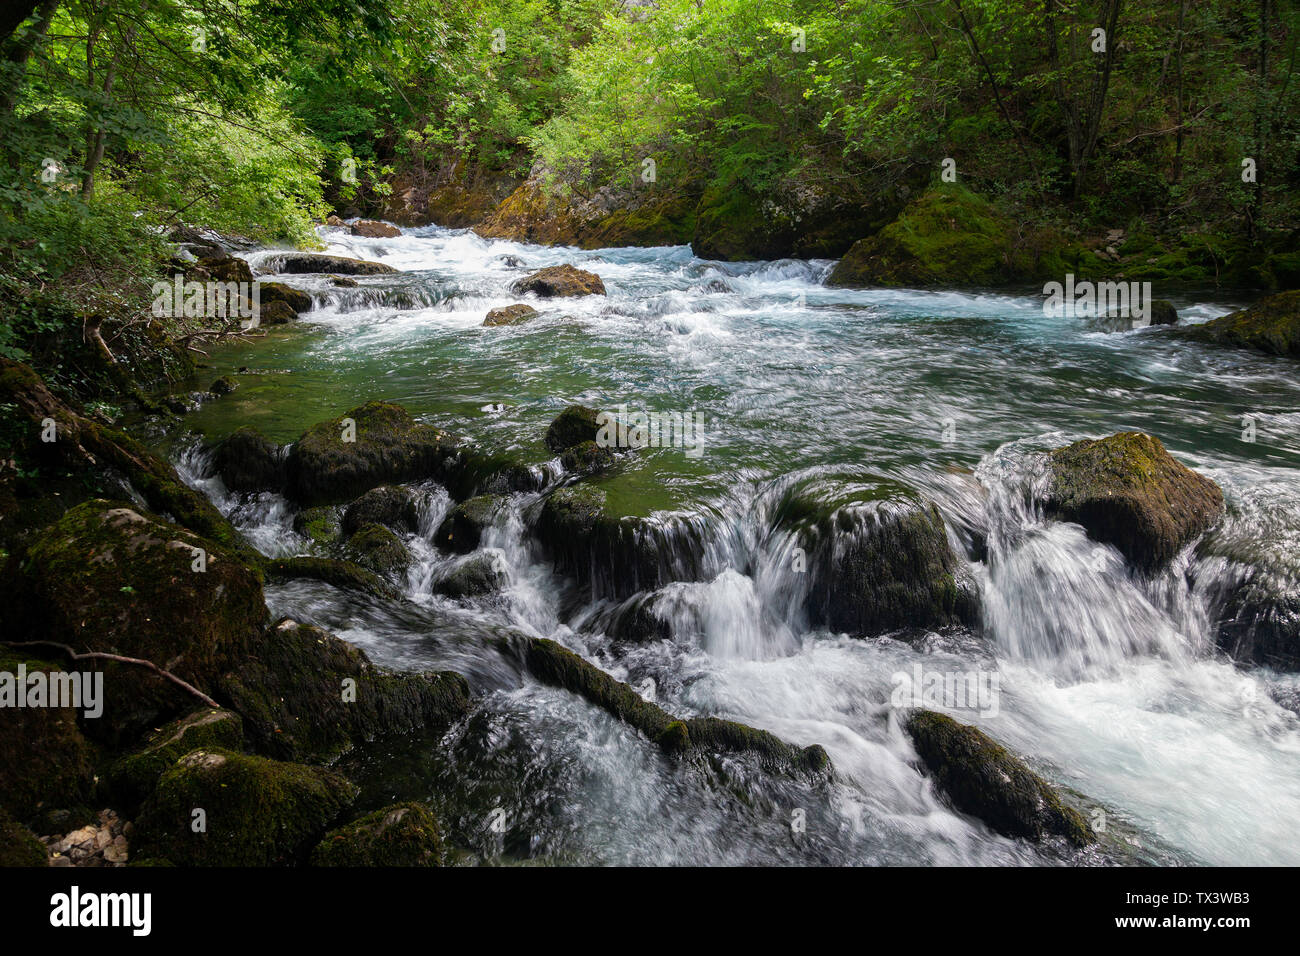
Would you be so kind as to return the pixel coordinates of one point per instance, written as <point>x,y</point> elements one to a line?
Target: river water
<point>1107,684</point>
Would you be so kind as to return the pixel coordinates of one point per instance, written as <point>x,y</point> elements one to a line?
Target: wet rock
<point>984,780</point>
<point>404,834</point>
<point>18,845</point>
<point>573,426</point>
<point>258,812</point>
<point>375,547</point>
<point>106,578</point>
<point>130,779</point>
<point>510,315</point>
<point>587,458</point>
<point>307,695</point>
<point>562,280</point>
<point>335,222</point>
<point>389,505</point>
<point>321,524</point>
<point>247,461</point>
<point>299,263</point>
<point>374,229</point>
<point>462,530</point>
<point>1163,312</point>
<point>276,312</point>
<point>473,576</point>
<point>1271,325</point>
<point>228,269</point>
<point>295,299</point>
<point>342,574</point>
<point>1127,491</point>
<point>223,386</point>
<point>343,282</point>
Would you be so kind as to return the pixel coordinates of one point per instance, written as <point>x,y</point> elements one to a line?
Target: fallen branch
<point>100,655</point>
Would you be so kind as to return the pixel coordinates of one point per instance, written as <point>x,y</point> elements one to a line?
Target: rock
<point>404,834</point>
<point>473,576</point>
<point>228,269</point>
<point>984,780</point>
<point>1127,491</point>
<point>341,574</point>
<point>389,505</point>
<point>587,458</point>
<point>375,547</point>
<point>18,845</point>
<point>258,812</point>
<point>1260,622</point>
<point>130,779</point>
<point>295,299</point>
<point>388,447</point>
<point>1163,312</point>
<point>307,695</point>
<point>223,386</point>
<point>573,426</point>
<point>107,578</point>
<point>276,313</point>
<point>562,280</point>
<point>298,263</point>
<point>878,557</point>
<point>510,315</point>
<point>248,461</point>
<point>321,524</point>
<point>462,530</point>
<point>335,222</point>
<point>1271,325</point>
<point>343,282</point>
<point>374,229</point>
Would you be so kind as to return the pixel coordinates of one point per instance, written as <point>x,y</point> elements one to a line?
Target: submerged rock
<point>298,263</point>
<point>223,386</point>
<point>983,779</point>
<point>1127,491</point>
<point>510,315</point>
<point>404,834</point>
<point>257,812</point>
<point>130,779</point>
<point>573,426</point>
<point>562,280</point>
<point>374,229</point>
<point>304,694</point>
<point>390,505</point>
<point>1271,325</point>
<point>247,460</point>
<point>462,530</point>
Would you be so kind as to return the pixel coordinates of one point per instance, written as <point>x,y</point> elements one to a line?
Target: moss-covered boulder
<point>1271,325</point>
<point>304,694</point>
<point>299,263</point>
<point>1163,312</point>
<point>374,229</point>
<point>877,557</point>
<point>573,426</point>
<point>18,845</point>
<point>248,461</point>
<point>341,573</point>
<point>276,313</point>
<point>1127,491</point>
<point>295,299</point>
<point>389,505</point>
<point>106,578</point>
<point>510,315</point>
<point>554,281</point>
<point>983,779</point>
<point>462,530</point>
<point>587,458</point>
<point>321,524</point>
<point>405,834</point>
<point>376,548</point>
<point>254,811</point>
<point>947,236</point>
<point>473,576</point>
<point>223,386</point>
<point>227,268</point>
<point>131,778</point>
<point>553,664</point>
<point>44,758</point>
<point>376,444</point>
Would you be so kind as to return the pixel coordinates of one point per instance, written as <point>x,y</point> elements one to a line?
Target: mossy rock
<point>276,312</point>
<point>404,834</point>
<point>878,557</point>
<point>106,578</point>
<point>510,315</point>
<point>374,229</point>
<point>304,694</point>
<point>342,574</point>
<point>587,458</point>
<point>44,758</point>
<point>299,263</point>
<point>295,299</point>
<point>18,845</point>
<point>732,225</point>
<point>573,426</point>
<point>130,779</point>
<point>388,505</point>
<point>1163,312</point>
<point>336,461</point>
<point>258,812</point>
<point>1127,491</point>
<point>1271,325</point>
<point>227,269</point>
<point>378,549</point>
<point>223,386</point>
<point>985,780</point>
<point>248,461</point>
<point>462,530</point>
<point>473,576</point>
<point>321,524</point>
<point>557,281</point>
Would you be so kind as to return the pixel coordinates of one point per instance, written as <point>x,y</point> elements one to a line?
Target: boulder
<point>295,299</point>
<point>223,386</point>
<point>404,834</point>
<point>510,315</point>
<point>1163,312</point>
<point>299,263</point>
<point>375,547</point>
<point>257,812</point>
<point>562,280</point>
<point>984,780</point>
<point>473,576</point>
<point>587,458</point>
<point>389,505</point>
<point>131,778</point>
<point>1127,491</point>
<point>462,530</point>
<point>247,461</point>
<point>573,426</point>
<point>276,312</point>
<point>227,269</point>
<point>374,229</point>
<point>1271,325</point>
<point>320,524</point>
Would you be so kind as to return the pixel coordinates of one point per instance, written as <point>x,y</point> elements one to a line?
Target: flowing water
<point>1107,683</point>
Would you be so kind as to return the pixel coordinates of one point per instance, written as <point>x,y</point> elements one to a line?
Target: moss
<point>248,461</point>
<point>573,426</point>
<point>341,574</point>
<point>321,524</point>
<point>377,548</point>
<point>587,458</point>
<point>1271,325</point>
<point>1163,312</point>
<point>388,505</point>
<point>983,779</point>
<point>1127,491</point>
<point>130,779</point>
<point>510,315</point>
<point>258,812</point>
<point>223,385</point>
<point>404,834</point>
<point>306,695</point>
<point>18,845</point>
<point>732,225</point>
<point>462,530</point>
<point>295,299</point>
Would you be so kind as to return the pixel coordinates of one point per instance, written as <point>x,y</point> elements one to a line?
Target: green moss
<point>377,548</point>
<point>983,779</point>
<point>258,812</point>
<point>388,505</point>
<point>1127,491</point>
<point>404,834</point>
<point>462,530</point>
<point>573,426</point>
<point>130,779</point>
<point>510,315</point>
<point>341,574</point>
<point>247,460</point>
<point>1271,325</point>
<point>321,525</point>
<point>18,845</point>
